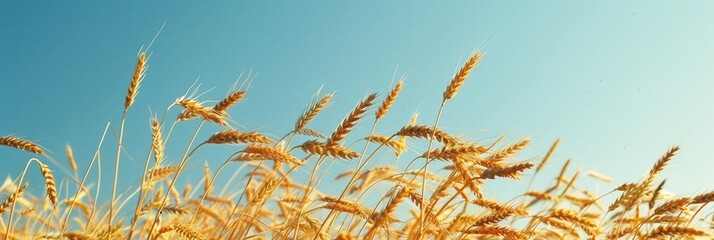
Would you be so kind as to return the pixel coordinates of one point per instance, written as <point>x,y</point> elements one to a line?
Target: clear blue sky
<point>618,82</point>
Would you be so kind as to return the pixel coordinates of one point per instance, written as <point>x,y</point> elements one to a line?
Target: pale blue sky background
<point>619,82</point>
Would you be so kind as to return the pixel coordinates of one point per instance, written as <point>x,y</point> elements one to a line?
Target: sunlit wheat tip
<point>311,112</point>
<point>350,121</point>
<point>460,77</point>
<point>227,102</point>
<point>388,101</point>
<point>135,80</point>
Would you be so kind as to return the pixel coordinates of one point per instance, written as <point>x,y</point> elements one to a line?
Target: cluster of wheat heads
<point>412,202</point>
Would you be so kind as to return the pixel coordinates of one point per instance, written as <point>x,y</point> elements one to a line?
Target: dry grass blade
<point>135,80</point>
<point>21,144</point>
<point>350,121</point>
<point>460,77</point>
<point>232,136</point>
<point>387,103</point>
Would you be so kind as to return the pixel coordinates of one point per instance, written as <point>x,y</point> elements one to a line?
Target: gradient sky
<point>618,82</point>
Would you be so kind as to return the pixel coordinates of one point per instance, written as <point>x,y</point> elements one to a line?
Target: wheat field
<point>435,194</point>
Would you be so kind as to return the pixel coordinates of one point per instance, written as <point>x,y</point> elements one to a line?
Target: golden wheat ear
<point>387,103</point>
<point>12,198</point>
<point>135,80</point>
<point>350,121</point>
<point>21,144</point>
<point>50,185</point>
<point>311,112</point>
<point>460,77</point>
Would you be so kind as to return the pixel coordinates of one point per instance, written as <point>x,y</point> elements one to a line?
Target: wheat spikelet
<point>674,231</point>
<point>272,153</point>
<point>205,113</point>
<point>310,132</point>
<point>547,155</point>
<point>70,158</point>
<point>397,146</point>
<point>135,80</point>
<point>673,205</point>
<point>460,77</point>
<point>318,148</point>
<point>12,198</point>
<point>509,172</point>
<point>495,206</point>
<point>49,182</point>
<point>388,101</point>
<point>496,231</point>
<point>346,206</point>
<point>452,152</point>
<point>508,151</point>
<point>461,221</point>
<point>492,218</point>
<point>663,161</point>
<point>599,176</point>
<point>560,225</point>
<point>159,173</point>
<point>232,136</point>
<point>181,229</point>
<point>703,198</point>
<point>588,225</point>
<point>425,132</point>
<point>86,210</point>
<point>350,121</point>
<point>227,102</point>
<point>210,213</point>
<point>21,144</point>
<point>216,199</point>
<point>157,143</point>
<point>385,217</point>
<point>77,236</point>
<point>542,195</point>
<point>655,194</point>
<point>311,112</point>
<point>245,157</point>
